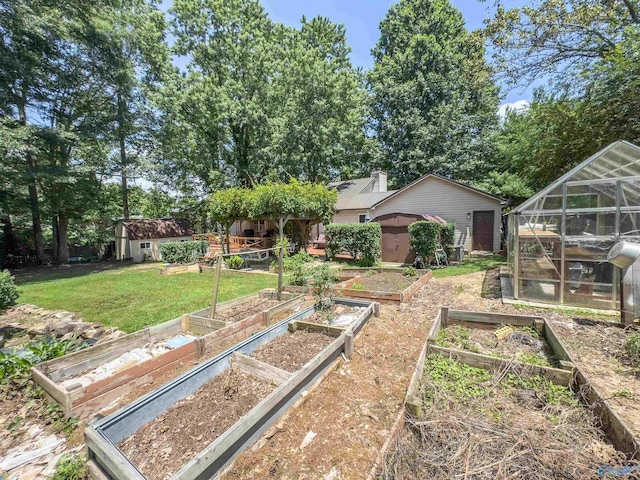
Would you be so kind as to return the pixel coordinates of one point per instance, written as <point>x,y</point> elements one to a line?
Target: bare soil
<point>325,316</point>
<point>387,282</point>
<point>597,348</point>
<point>290,352</point>
<point>245,309</point>
<point>162,446</point>
<point>523,344</point>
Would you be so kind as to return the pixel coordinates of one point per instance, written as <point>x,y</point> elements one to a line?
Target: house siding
<point>348,216</point>
<point>450,201</point>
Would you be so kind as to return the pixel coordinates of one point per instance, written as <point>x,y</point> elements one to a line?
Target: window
<point>145,245</point>
<point>363,218</point>
<point>259,226</point>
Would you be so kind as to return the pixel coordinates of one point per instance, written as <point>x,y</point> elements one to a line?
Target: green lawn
<point>470,265</point>
<point>133,296</point>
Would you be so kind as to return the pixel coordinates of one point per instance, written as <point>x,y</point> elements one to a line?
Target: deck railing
<point>236,242</point>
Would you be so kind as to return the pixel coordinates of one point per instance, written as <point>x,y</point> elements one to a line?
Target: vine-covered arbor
<point>558,239</point>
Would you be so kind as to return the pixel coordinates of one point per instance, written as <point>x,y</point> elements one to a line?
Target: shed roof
<point>618,160</point>
<point>146,229</point>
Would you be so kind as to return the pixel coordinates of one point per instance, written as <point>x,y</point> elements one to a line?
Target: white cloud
<point>519,105</point>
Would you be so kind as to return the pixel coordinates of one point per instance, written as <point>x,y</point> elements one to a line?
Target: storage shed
<point>558,239</point>
<point>395,234</point>
<point>139,239</point>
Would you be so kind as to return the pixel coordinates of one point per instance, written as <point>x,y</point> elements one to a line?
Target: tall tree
<point>434,104</point>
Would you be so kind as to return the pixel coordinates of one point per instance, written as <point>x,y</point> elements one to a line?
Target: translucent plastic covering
<point>558,239</point>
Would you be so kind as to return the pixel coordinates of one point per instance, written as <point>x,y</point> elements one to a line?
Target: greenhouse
<point>558,239</point>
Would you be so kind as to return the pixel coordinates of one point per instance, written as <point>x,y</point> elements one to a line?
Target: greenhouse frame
<point>558,240</point>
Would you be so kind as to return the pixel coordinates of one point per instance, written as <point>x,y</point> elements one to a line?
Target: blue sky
<point>362,18</point>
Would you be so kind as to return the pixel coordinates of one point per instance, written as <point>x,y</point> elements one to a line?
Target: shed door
<point>483,230</point>
<point>395,245</point>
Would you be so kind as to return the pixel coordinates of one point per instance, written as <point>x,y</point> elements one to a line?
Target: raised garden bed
<point>85,382</point>
<point>383,285</point>
<point>218,448</point>
<point>519,388</point>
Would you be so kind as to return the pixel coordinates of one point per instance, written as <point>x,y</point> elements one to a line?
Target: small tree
<point>228,206</point>
<point>8,290</point>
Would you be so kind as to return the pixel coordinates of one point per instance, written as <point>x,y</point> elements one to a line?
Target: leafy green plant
<point>459,379</point>
<point>632,347</point>
<point>70,467</point>
<point>183,252</point>
<point>423,238</point>
<point>533,359</point>
<point>8,290</point>
<point>409,272</point>
<point>360,240</point>
<point>356,286</point>
<point>549,392</point>
<point>324,279</point>
<point>235,262</point>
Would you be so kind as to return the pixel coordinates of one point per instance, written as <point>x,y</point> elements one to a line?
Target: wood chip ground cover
<point>385,282</point>
<point>162,446</point>
<point>291,351</point>
<point>524,344</point>
<point>245,309</point>
<point>477,424</point>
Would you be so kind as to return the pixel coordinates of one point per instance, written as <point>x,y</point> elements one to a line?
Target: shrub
<point>425,236</point>
<point>183,252</point>
<point>324,279</point>
<point>409,272</point>
<point>235,262</point>
<point>8,291</point>
<point>360,240</point>
<point>297,267</point>
<point>70,467</point>
<point>632,347</point>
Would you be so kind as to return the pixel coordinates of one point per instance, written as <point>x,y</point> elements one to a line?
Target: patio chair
<point>320,242</point>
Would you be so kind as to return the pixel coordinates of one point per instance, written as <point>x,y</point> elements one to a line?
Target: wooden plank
<point>53,390</point>
<point>435,328</point>
<point>260,369</point>
<point>412,289</point>
<point>112,458</point>
<point>555,343</point>
<point>444,317</point>
<point>284,306</point>
<point>206,325</point>
<point>68,365</point>
<point>555,375</point>
<point>380,296</point>
<point>95,472</point>
<point>497,318</point>
<point>348,345</point>
<point>317,327</point>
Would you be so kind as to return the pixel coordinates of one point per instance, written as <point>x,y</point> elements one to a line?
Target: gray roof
<point>350,196</point>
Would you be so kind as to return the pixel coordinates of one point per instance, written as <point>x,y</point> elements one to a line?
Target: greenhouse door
<point>483,230</point>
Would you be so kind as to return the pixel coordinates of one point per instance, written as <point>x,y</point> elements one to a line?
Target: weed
<point>533,359</point>
<point>624,393</point>
<point>459,289</point>
<point>529,330</point>
<point>409,272</point>
<point>455,335</point>
<point>357,286</point>
<point>371,273</point>
<point>234,263</point>
<point>459,379</point>
<point>70,467</point>
<point>553,394</point>
<point>632,347</point>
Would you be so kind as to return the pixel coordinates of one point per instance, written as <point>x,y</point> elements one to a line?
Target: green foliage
<point>448,238</point>
<point>324,279</point>
<point>424,238</point>
<point>457,378</point>
<point>551,394</point>
<point>470,265</point>
<point>533,359</point>
<point>297,268</point>
<point>433,99</point>
<point>632,347</point>
<point>409,272</point>
<point>15,367</point>
<point>70,467</point>
<point>235,262</point>
<point>357,286</point>
<point>183,252</point>
<point>8,290</point>
<point>360,240</point>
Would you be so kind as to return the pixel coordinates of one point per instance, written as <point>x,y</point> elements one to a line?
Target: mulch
<point>164,445</point>
<point>292,351</point>
<point>245,309</point>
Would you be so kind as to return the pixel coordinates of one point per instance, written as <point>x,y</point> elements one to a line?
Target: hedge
<point>8,291</point>
<point>360,240</point>
<point>183,252</point>
<point>424,237</point>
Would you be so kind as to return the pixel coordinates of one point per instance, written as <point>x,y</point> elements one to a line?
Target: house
<point>139,239</point>
<point>475,213</point>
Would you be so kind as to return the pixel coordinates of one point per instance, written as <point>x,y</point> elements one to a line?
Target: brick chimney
<point>380,184</point>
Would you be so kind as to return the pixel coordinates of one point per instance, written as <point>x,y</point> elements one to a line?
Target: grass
<point>470,265</point>
<point>131,297</point>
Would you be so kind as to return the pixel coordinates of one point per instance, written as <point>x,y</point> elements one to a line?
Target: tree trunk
<point>33,192</point>
<point>54,243</point>
<point>123,158</point>
<point>63,238</point>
